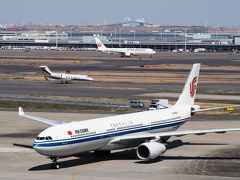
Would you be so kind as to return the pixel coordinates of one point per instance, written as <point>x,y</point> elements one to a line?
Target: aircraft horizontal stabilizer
<point>39,119</point>
<point>214,108</point>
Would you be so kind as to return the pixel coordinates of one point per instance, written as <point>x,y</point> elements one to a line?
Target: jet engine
<point>127,54</point>
<point>150,150</point>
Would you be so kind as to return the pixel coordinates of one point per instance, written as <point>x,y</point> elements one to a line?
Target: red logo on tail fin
<point>193,87</point>
<point>99,44</point>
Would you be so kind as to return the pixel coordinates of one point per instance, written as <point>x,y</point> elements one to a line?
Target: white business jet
<point>125,52</point>
<point>64,78</point>
<point>148,131</point>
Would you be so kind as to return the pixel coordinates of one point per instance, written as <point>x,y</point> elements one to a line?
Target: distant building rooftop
<point>134,24</point>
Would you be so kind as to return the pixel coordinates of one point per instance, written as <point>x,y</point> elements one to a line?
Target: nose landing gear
<point>55,164</point>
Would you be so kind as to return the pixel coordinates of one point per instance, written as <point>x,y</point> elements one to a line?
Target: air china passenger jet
<point>125,52</point>
<point>148,131</point>
<point>64,78</point>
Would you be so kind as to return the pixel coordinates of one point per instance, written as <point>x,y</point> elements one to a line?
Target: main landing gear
<point>55,164</point>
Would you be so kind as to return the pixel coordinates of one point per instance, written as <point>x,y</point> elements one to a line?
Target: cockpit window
<point>48,138</point>
<point>44,138</point>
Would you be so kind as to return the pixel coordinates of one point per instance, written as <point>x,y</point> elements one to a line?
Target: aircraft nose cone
<point>40,149</point>
<point>36,147</point>
<point>90,79</point>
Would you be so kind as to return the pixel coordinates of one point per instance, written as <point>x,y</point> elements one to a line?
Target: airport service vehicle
<point>125,52</point>
<point>136,103</point>
<point>200,50</point>
<point>159,104</point>
<point>177,50</point>
<point>147,131</point>
<point>64,78</point>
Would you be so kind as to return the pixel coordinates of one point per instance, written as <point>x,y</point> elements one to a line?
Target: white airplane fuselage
<point>123,51</point>
<point>70,77</point>
<point>130,51</point>
<point>64,77</point>
<point>72,138</point>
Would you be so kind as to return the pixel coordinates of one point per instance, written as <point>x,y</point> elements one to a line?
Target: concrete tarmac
<point>211,156</point>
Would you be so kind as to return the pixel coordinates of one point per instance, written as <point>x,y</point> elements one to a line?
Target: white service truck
<point>159,104</point>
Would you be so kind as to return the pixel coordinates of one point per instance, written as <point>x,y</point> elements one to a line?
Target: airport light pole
<point>185,40</point>
<point>155,32</point>
<point>71,31</point>
<point>134,35</point>
<point>56,40</point>
<point>120,43</point>
<point>175,39</point>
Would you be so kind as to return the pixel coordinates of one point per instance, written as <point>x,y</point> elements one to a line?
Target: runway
<point>115,90</point>
<point>110,62</point>
<point>212,156</point>
<point>117,77</point>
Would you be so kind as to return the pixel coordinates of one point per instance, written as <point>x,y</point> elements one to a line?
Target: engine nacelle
<point>150,150</point>
<point>127,54</point>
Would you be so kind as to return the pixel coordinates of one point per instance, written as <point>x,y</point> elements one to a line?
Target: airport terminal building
<point>160,41</point>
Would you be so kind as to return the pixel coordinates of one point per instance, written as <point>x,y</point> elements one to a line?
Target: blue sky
<point>163,12</point>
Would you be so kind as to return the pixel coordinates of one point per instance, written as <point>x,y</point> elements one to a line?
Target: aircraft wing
<point>149,136</point>
<point>39,119</point>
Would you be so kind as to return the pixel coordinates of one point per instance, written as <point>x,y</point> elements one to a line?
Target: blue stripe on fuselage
<point>107,135</point>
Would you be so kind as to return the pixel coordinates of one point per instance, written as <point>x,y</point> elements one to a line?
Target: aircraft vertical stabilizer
<point>189,91</point>
<point>46,70</point>
<point>100,45</point>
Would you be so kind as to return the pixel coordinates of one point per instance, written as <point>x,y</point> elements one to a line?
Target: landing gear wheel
<point>55,164</point>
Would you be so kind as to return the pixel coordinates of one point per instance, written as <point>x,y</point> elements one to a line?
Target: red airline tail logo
<point>69,133</point>
<point>99,44</point>
<point>193,87</point>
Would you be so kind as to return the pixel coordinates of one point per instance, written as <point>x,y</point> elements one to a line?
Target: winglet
<point>20,111</point>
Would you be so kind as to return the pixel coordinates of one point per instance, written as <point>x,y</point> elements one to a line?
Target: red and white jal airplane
<point>147,131</point>
<point>64,78</point>
<point>125,52</point>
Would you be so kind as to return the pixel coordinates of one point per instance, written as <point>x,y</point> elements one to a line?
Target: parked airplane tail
<point>46,70</point>
<point>99,44</point>
<point>189,91</point>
